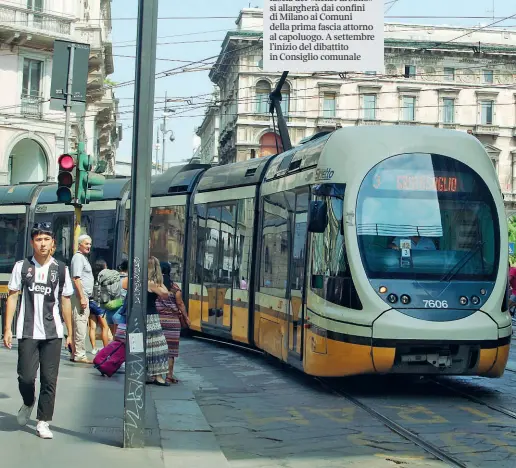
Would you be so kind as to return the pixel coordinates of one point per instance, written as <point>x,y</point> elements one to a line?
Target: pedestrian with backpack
<point>43,283</point>
<point>97,311</point>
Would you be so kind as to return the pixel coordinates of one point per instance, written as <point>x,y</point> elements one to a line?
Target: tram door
<point>297,283</point>
<point>218,263</point>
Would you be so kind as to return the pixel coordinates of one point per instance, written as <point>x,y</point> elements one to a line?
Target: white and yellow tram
<point>372,249</point>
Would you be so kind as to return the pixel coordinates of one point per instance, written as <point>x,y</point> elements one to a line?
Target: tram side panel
<point>220,265</point>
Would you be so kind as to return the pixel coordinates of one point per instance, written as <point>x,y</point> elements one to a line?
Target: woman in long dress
<point>171,310</point>
<point>157,349</point>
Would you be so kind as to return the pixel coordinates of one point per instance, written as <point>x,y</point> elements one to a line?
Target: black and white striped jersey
<point>39,316</point>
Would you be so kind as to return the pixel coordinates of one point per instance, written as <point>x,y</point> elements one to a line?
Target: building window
<point>285,99</point>
<point>486,112</point>
<point>370,107</point>
<point>448,110</point>
<point>36,5</point>
<point>31,88</point>
<point>488,76</point>
<point>263,90</point>
<point>31,77</point>
<point>329,105</point>
<point>410,71</point>
<point>449,74</point>
<point>370,73</point>
<point>260,63</point>
<point>409,108</point>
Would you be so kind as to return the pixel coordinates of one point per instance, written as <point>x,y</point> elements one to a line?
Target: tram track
<point>449,386</point>
<point>388,422</point>
<point>398,429</point>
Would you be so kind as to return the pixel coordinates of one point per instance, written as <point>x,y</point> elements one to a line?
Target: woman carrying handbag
<point>172,314</point>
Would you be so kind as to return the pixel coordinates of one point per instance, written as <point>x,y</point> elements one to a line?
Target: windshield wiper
<point>462,262</point>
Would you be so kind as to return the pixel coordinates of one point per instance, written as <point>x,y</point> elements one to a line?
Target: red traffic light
<point>66,162</point>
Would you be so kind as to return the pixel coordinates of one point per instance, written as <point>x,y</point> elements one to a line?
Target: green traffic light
<point>64,195</point>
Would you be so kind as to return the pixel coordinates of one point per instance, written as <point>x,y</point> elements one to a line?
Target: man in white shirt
<point>43,282</point>
<point>83,280</point>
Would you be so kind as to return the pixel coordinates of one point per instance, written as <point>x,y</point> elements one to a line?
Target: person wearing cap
<point>43,283</point>
<point>82,276</point>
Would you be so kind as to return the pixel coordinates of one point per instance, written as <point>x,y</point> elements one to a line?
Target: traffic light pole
<point>68,108</point>
<point>135,373</point>
<point>68,105</point>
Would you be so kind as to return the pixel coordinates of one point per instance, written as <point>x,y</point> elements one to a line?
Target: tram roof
<point>238,174</point>
<point>113,190</point>
<point>177,179</point>
<point>20,194</point>
<point>301,157</point>
<point>351,152</point>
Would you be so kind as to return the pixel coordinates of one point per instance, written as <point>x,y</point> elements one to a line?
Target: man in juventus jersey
<point>43,282</point>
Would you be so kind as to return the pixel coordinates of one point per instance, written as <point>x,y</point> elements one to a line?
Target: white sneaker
<point>43,430</point>
<point>24,414</point>
<point>94,351</point>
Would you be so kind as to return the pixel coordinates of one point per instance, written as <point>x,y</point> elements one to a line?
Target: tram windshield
<point>426,216</point>
<point>12,240</point>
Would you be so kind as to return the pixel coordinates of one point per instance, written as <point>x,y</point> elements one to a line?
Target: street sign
<point>511,248</point>
<point>60,63</point>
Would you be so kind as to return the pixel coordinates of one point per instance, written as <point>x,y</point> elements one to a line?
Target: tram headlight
<point>383,289</point>
<point>483,292</point>
<point>463,300</point>
<point>475,300</point>
<point>405,299</point>
<point>392,298</point>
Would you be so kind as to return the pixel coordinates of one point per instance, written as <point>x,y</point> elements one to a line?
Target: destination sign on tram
<point>421,182</point>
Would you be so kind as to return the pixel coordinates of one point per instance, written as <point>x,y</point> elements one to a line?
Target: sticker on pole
<point>136,342</point>
<point>323,35</point>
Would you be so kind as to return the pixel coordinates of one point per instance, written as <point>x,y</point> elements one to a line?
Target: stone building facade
<point>31,128</point>
<point>432,77</point>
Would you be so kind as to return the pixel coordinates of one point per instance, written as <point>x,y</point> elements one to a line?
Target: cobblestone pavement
<point>265,415</point>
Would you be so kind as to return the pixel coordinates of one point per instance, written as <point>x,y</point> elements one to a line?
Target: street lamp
<point>165,132</point>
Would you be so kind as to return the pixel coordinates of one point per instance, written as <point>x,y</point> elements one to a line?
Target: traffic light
<point>65,179</point>
<point>88,184</point>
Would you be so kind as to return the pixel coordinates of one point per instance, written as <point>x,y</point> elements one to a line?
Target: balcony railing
<point>486,130</point>
<point>327,122</point>
<point>31,106</point>
<point>15,18</point>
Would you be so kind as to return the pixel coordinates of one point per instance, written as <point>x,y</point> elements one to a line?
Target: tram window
<point>167,237</point>
<point>101,227</point>
<point>300,232</point>
<point>12,237</point>
<point>63,230</point>
<point>227,245</point>
<point>198,239</point>
<point>125,245</point>
<point>275,241</point>
<point>212,249</point>
<point>331,276</point>
<point>244,243</point>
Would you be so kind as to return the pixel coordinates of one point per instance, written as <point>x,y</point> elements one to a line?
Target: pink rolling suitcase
<point>109,359</point>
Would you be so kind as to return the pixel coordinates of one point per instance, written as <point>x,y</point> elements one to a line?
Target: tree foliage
<point>512,236</point>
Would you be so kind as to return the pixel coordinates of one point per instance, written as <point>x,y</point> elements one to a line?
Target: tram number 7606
<point>436,304</point>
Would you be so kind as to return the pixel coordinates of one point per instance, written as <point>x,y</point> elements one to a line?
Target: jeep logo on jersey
<point>324,174</point>
<point>38,288</point>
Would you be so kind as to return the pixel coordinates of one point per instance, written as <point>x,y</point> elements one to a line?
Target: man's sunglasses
<point>43,226</point>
